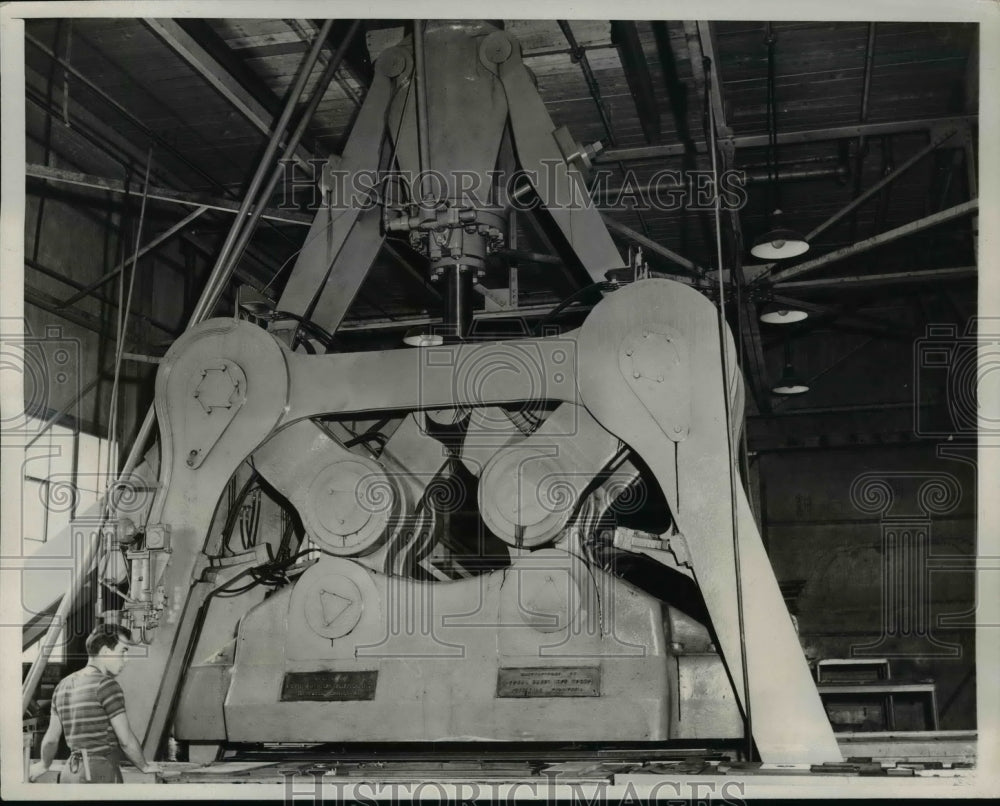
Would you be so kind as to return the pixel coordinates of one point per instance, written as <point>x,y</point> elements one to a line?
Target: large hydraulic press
<point>377,616</point>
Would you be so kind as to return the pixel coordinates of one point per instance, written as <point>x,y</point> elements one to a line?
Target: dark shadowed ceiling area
<point>854,102</point>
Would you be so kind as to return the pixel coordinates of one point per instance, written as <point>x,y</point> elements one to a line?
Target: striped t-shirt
<point>85,702</point>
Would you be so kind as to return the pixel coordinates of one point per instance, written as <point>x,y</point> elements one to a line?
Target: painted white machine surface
<point>376,618</point>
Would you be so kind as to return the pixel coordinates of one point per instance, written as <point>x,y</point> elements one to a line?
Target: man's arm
<point>130,744</point>
<point>50,743</point>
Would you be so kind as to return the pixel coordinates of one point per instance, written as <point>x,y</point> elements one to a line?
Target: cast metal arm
<point>655,386</point>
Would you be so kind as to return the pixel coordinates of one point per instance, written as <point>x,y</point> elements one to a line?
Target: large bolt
<point>497,47</point>
<point>392,62</point>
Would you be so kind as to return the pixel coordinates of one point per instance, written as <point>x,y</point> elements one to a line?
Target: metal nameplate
<point>549,681</point>
<point>329,686</point>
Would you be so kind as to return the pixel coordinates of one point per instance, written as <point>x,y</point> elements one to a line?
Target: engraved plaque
<point>549,681</point>
<point>329,686</point>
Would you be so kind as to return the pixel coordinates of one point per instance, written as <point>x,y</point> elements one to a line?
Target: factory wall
<point>73,237</point>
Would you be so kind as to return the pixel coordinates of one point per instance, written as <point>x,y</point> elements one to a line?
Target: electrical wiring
<point>235,513</point>
<point>309,327</point>
<point>272,573</point>
<point>249,519</point>
<point>373,434</point>
<point>604,285</point>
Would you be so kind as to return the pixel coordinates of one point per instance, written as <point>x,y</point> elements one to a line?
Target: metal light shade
<point>422,337</point>
<point>774,314</point>
<point>779,244</point>
<point>790,383</point>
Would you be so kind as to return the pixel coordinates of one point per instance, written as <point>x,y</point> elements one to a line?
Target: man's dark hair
<point>106,635</point>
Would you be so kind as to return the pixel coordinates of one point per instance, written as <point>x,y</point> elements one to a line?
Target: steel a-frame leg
<point>651,372</point>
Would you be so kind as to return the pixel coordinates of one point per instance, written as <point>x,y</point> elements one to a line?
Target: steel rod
<point>727,399</point>
<point>789,137</point>
<point>423,122</point>
<point>85,291</point>
<point>578,54</point>
<point>870,243</point>
<point>69,68</point>
<point>124,306</point>
<point>222,269</point>
<point>920,275</point>
<point>332,66</point>
<point>60,175</point>
<point>653,246</point>
<point>935,143</point>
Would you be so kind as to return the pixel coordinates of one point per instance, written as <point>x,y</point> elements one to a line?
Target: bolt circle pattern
<point>350,505</point>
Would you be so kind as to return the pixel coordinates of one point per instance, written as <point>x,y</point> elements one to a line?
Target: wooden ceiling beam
<point>625,36</point>
<point>209,66</point>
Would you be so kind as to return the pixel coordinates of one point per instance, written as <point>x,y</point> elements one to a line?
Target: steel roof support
<point>625,35</point>
<point>919,225</point>
<point>203,63</point>
<point>788,137</point>
<point>157,193</point>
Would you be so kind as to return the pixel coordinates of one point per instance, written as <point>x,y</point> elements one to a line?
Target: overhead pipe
<point>835,171</point>
<point>578,54</point>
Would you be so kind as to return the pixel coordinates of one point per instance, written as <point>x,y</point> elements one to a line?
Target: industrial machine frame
<point>547,645</point>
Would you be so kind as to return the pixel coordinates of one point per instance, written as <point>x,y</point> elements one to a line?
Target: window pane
<point>65,474</point>
<point>33,512</point>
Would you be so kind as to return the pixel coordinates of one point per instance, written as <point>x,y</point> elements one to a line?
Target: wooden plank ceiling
<point>918,71</point>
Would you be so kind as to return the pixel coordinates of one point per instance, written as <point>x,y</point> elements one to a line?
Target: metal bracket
<point>158,537</point>
<point>220,390</point>
<point>210,570</point>
<point>114,537</point>
<point>579,156</point>
<point>148,595</point>
<point>651,363</point>
<point>638,542</point>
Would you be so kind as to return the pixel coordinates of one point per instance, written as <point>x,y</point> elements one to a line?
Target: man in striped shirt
<point>89,707</point>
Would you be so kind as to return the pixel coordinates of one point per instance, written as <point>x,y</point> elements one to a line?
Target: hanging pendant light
<point>422,337</point>
<point>782,313</point>
<point>790,383</point>
<point>779,242</point>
